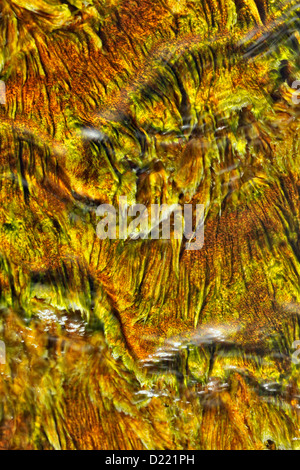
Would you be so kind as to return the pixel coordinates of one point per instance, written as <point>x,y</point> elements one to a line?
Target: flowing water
<point>135,342</point>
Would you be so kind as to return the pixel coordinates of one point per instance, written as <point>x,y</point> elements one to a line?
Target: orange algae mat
<point>110,337</point>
